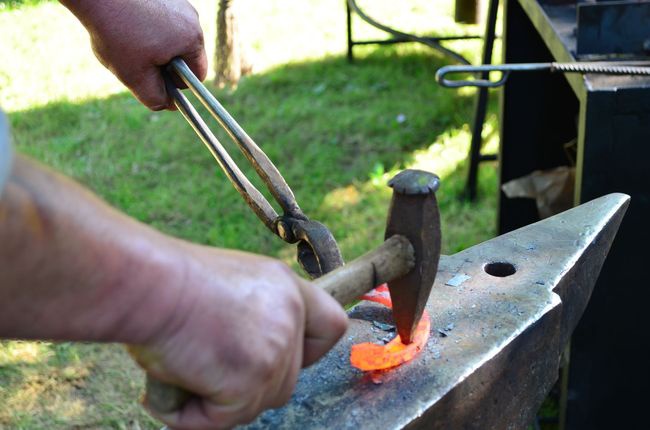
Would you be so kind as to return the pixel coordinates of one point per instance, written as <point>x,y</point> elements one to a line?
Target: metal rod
<point>253,197</point>
<point>258,159</point>
<point>641,68</point>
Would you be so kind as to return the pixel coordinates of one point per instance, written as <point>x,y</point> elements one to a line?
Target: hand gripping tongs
<point>318,252</point>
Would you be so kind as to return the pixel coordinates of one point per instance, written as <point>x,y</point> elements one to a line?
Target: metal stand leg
<point>475,156</point>
<point>348,15</point>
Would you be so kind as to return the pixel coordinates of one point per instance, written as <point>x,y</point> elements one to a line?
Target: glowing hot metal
<point>369,356</point>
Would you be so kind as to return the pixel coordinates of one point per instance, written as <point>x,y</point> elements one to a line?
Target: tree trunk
<point>230,60</point>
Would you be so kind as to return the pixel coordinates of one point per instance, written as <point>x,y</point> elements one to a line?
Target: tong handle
<point>263,166</point>
<point>255,200</point>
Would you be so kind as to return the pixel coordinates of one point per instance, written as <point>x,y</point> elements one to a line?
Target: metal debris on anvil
<point>505,359</point>
<point>457,280</point>
<point>444,332</point>
<point>386,339</point>
<point>383,326</point>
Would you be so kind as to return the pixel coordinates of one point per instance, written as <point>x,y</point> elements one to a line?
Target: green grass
<point>331,128</point>
<point>17,4</point>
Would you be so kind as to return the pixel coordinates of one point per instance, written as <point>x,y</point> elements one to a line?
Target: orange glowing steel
<point>370,356</point>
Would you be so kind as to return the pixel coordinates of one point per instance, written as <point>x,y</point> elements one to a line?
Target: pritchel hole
<point>500,269</point>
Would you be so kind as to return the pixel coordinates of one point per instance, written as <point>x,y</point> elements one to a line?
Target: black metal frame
<point>609,116</point>
<point>398,36</point>
<point>475,155</point>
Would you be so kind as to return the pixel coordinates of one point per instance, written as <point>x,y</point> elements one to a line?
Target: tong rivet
<point>284,231</point>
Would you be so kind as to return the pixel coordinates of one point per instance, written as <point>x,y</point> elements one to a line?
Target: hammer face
<point>416,217</point>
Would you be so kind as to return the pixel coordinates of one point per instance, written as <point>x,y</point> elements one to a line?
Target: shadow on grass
<point>326,124</point>
<point>69,385</point>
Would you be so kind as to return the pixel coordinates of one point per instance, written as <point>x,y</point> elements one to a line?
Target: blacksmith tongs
<point>318,252</point>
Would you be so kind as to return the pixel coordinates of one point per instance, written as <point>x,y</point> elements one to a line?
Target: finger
<point>325,323</point>
<point>230,416</point>
<point>201,413</point>
<point>191,417</point>
<point>197,61</point>
<point>149,88</point>
<point>288,381</point>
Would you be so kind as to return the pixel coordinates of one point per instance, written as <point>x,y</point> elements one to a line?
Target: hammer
<point>407,261</point>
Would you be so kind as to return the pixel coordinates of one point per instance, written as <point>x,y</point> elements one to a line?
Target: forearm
<point>74,268</point>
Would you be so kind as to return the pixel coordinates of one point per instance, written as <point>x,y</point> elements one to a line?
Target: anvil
<point>501,314</point>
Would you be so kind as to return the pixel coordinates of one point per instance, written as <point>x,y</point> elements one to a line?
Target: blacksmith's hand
<point>232,327</point>
<point>244,327</point>
<point>134,38</point>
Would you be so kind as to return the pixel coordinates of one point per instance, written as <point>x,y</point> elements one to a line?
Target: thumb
<point>325,323</point>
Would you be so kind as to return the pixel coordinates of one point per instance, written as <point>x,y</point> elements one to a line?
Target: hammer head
<point>414,213</point>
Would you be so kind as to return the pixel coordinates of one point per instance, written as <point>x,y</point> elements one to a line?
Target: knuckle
<point>282,274</point>
<point>198,37</point>
<point>340,324</point>
<point>192,27</point>
<point>294,304</point>
<point>284,271</point>
<point>193,12</point>
<point>278,268</point>
<point>249,416</point>
<point>267,367</point>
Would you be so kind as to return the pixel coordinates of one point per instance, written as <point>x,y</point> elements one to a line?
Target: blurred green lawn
<point>331,128</point>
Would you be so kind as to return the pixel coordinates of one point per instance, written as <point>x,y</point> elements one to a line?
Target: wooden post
<point>230,62</point>
<point>468,11</point>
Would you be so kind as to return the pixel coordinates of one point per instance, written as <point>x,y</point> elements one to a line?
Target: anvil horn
<point>501,314</point>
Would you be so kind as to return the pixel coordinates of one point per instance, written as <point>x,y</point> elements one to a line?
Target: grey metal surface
<point>503,335</point>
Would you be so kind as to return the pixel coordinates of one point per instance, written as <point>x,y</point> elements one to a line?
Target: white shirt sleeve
<point>5,151</point>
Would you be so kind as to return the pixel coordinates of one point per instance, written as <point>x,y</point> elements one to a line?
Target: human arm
<point>135,38</point>
<point>232,327</point>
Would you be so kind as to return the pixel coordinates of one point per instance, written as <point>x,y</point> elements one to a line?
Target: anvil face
<point>496,338</point>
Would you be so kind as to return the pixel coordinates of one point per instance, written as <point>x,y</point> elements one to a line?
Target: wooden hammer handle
<point>392,259</point>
